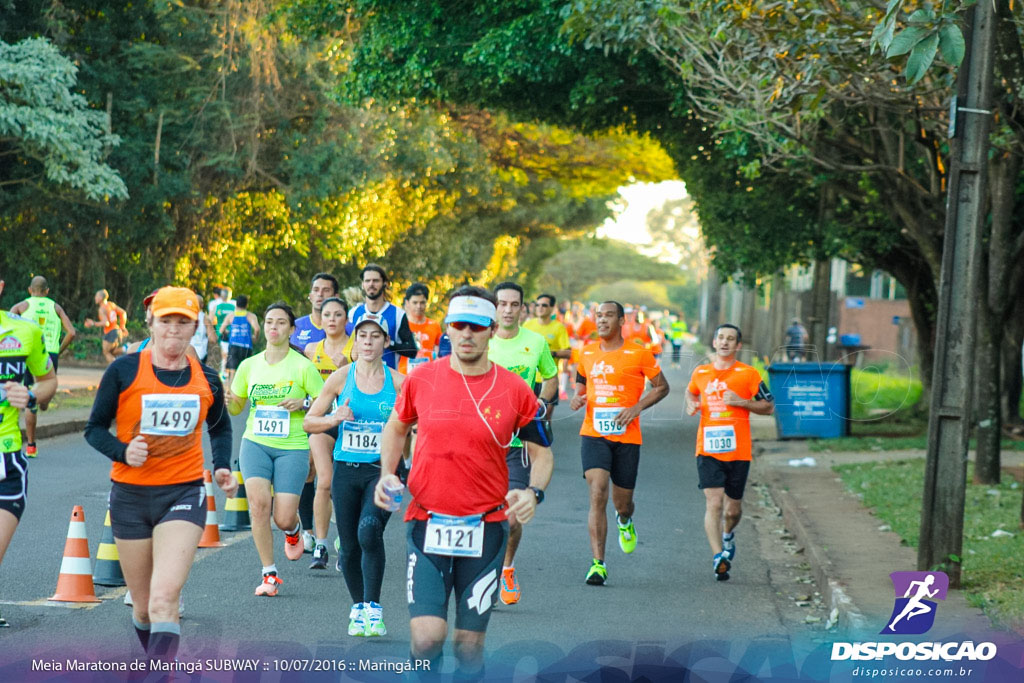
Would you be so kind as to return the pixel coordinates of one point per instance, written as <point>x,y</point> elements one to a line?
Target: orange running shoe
<point>510,590</point>
<point>30,450</point>
<point>269,585</point>
<point>293,546</point>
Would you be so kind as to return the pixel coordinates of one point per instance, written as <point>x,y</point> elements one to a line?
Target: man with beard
<point>375,305</point>
<point>308,328</point>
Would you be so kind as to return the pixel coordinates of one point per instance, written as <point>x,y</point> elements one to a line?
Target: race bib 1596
<point>604,421</point>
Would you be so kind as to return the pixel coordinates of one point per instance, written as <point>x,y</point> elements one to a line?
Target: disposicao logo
<point>916,592</point>
<point>913,614</point>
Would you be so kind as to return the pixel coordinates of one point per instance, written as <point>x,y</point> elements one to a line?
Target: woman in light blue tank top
<point>365,393</point>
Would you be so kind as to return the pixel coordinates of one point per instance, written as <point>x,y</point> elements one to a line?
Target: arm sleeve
<point>118,376</point>
<point>547,367</point>
<point>218,423</point>
<point>580,379</point>
<point>405,343</point>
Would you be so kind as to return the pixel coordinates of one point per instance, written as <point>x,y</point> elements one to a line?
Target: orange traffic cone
<point>211,534</point>
<point>75,581</point>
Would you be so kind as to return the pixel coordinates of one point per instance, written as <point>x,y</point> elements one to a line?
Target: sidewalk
<point>851,552</point>
<point>50,423</point>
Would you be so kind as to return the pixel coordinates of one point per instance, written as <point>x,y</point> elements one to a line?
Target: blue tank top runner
<point>240,332</point>
<point>359,440</point>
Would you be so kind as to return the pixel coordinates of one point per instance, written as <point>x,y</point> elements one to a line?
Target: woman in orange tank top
<point>159,399</point>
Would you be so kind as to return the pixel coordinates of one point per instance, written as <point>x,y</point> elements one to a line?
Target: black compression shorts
<point>13,483</point>
<point>135,510</point>
<point>432,578</point>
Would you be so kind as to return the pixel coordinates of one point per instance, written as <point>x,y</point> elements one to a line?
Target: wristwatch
<point>539,493</point>
<point>31,401</point>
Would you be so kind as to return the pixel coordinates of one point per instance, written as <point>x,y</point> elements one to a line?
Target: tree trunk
<point>994,294</point>
<point>986,395</point>
<point>818,320</point>
<point>1012,372</point>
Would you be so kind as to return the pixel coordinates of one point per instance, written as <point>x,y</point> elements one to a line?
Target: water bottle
<point>394,494</point>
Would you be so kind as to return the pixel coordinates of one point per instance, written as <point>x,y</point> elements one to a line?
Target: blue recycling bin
<point>812,400</point>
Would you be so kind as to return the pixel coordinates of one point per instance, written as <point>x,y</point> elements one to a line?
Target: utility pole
<point>949,422</point>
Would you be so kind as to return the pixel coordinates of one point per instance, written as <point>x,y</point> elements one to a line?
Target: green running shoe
<point>597,574</point>
<point>627,535</point>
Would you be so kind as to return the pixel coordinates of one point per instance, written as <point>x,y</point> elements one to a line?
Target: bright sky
<point>630,222</point>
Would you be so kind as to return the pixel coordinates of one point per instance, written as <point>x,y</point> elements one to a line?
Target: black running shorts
<point>135,510</point>
<point>13,483</point>
<point>475,580</point>
<point>713,473</point>
<point>621,460</point>
<point>236,354</point>
<point>518,472</point>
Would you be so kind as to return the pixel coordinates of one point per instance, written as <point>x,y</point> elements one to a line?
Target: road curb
<point>59,428</point>
<point>848,617</point>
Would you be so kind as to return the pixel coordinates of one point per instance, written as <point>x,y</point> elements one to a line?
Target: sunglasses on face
<point>460,325</point>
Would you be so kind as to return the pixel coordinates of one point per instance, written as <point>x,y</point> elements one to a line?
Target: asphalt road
<point>660,602</point>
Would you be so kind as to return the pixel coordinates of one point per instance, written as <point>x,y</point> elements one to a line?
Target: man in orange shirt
<point>725,392</point>
<point>427,332</point>
<point>610,381</point>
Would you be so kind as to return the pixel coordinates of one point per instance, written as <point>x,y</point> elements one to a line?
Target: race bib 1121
<point>454,536</point>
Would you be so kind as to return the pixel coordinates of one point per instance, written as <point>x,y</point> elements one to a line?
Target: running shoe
<point>729,545</point>
<point>510,591</point>
<point>721,566</point>
<point>292,546</point>
<point>598,574</point>
<point>627,535</point>
<point>269,585</point>
<point>30,450</point>
<point>374,620</point>
<point>337,545</point>
<point>3,622</point>
<point>357,620</point>
<point>181,606</point>
<point>128,598</point>
<point>308,542</point>
<point>319,558</point>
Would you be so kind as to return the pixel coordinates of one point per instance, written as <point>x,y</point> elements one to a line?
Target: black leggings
<point>360,529</point>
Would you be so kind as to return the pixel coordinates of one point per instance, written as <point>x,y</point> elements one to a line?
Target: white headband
<point>471,309</point>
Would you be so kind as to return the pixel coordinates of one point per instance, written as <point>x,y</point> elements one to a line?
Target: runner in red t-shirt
<point>725,392</point>
<point>468,410</point>
<point>610,382</point>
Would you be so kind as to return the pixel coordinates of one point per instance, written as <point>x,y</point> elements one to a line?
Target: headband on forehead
<point>471,309</point>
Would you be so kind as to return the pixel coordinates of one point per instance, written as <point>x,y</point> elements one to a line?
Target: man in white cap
<point>468,411</point>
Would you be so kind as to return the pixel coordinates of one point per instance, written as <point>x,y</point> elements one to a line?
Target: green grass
<point>69,400</point>
<point>874,395</point>
<point>888,442</point>
<point>993,568</point>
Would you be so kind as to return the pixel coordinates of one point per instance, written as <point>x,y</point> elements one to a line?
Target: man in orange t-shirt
<point>725,392</point>
<point>427,332</point>
<point>610,381</point>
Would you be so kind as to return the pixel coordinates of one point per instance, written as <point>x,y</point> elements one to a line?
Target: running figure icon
<point>916,595</point>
